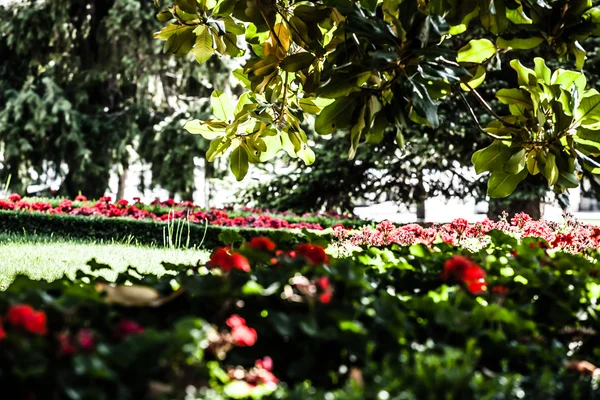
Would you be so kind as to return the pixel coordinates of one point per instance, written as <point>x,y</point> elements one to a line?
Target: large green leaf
<point>516,162</point>
<point>209,130</point>
<point>542,72</point>
<point>501,184</point>
<point>566,79</point>
<point>423,104</point>
<point>474,81</point>
<point>203,49</point>
<point>222,107</point>
<point>514,96</point>
<point>588,112</point>
<point>238,162</point>
<point>189,6</point>
<point>476,51</point>
<point>492,158</point>
<point>217,147</point>
<point>523,72</point>
<point>356,132</point>
<point>296,62</point>
<point>327,121</point>
<point>551,169</point>
<point>519,43</point>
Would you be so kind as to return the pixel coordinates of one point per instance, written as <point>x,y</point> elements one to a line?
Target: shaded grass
<point>43,257</point>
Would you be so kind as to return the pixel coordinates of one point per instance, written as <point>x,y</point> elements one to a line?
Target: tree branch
<point>474,117</point>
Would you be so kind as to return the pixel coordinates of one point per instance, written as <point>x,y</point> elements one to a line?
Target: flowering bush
<point>170,210</point>
<point>515,320</point>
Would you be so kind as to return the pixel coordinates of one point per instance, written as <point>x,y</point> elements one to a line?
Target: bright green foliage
<point>378,63</point>
<point>551,130</point>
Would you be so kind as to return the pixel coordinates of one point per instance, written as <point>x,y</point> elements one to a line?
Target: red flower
<point>80,197</point>
<point>261,243</point>
<point>127,328</point>
<point>123,203</point>
<point>325,297</point>
<point>85,339</point>
<point>221,258</point>
<point>26,317</point>
<point>2,331</point>
<point>240,262</point>
<point>462,269</point>
<point>324,283</point>
<point>315,254</point>
<point>14,197</point>
<point>327,294</point>
<point>500,289</point>
<point>65,344</point>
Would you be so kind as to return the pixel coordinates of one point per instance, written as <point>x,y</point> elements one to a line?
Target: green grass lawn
<point>49,259</point>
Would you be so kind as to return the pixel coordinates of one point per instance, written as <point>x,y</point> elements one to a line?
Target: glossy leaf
<point>297,61</point>
<point>492,158</point>
<point>326,121</point>
<point>502,184</point>
<point>222,108</point>
<point>519,43</point>
<point>238,162</point>
<point>203,49</point>
<point>476,51</point>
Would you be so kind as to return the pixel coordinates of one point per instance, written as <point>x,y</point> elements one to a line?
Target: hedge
<point>140,231</point>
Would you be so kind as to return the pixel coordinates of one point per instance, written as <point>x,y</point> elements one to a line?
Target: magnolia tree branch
<point>474,117</point>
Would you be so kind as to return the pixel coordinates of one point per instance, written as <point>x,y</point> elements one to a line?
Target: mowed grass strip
<point>49,259</point>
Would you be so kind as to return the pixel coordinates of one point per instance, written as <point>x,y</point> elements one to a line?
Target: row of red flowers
<point>186,210</point>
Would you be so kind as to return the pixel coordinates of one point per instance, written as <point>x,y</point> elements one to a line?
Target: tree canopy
<point>371,68</point>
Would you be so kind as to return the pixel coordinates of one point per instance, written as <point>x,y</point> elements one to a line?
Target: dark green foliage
<point>393,328</point>
<point>85,91</point>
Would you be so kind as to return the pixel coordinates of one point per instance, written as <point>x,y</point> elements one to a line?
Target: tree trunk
<point>122,183</point>
<point>421,211</point>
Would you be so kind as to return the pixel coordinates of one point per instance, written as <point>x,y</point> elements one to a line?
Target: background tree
<point>86,90</point>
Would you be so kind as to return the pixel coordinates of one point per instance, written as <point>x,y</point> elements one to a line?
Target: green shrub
<point>141,231</point>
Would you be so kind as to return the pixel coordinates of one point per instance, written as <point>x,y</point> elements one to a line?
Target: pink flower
<point>85,339</point>
<point>241,334</point>
<point>126,328</point>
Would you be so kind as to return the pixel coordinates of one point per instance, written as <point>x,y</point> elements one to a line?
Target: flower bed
<point>169,210</point>
<point>571,236</point>
<point>514,321</point>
